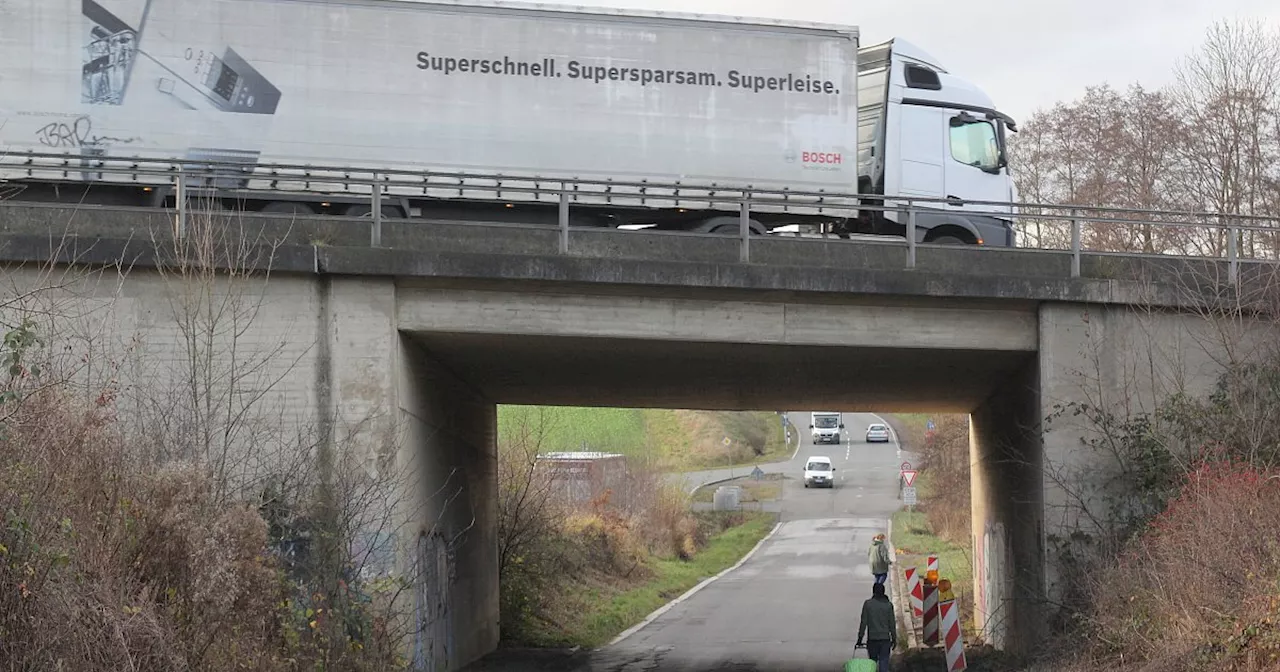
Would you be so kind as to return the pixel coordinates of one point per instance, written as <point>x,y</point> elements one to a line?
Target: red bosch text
<point>829,158</point>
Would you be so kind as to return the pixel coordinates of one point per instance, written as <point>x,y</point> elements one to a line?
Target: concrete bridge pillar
<point>1007,500</point>
<point>1039,485</point>
<point>451,435</point>
<point>427,441</point>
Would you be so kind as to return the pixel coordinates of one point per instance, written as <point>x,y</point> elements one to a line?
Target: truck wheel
<point>729,225</point>
<point>948,240</point>
<point>361,210</point>
<point>733,228</point>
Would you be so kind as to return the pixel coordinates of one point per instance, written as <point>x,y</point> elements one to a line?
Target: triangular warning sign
<point>909,475</point>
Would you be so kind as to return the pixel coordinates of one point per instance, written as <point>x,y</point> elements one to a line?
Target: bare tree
<point>218,399</point>
<point>1211,142</point>
<point>1227,93</point>
<point>525,498</point>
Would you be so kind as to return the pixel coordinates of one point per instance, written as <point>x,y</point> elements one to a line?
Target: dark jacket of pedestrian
<point>879,622</point>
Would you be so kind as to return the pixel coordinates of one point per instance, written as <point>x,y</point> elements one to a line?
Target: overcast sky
<point>1027,54</point>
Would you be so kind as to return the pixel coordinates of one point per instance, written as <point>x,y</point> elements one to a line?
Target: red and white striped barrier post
<point>915,593</point>
<point>930,614</point>
<point>933,569</point>
<point>952,637</point>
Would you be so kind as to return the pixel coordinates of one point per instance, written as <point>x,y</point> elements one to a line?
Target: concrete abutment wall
<point>1007,500</point>
<point>1040,477</point>
<point>451,437</point>
<point>431,444</point>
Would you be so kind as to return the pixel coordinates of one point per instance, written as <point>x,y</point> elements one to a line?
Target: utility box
<point>727,498</point>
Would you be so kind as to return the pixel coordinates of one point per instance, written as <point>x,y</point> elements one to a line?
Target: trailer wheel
<point>361,210</point>
<point>730,225</point>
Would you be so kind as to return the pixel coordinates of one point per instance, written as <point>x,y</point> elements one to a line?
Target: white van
<point>819,473</point>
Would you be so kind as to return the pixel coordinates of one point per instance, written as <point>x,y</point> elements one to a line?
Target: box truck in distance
<point>640,113</point>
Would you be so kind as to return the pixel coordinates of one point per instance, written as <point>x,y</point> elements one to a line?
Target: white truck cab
<point>927,133</point>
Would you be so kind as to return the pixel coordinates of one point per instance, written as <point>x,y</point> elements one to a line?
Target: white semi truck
<point>515,94</point>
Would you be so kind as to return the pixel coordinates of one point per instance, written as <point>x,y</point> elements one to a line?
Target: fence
<point>1077,230</point>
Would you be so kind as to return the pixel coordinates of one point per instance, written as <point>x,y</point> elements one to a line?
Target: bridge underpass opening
<point>453,381</point>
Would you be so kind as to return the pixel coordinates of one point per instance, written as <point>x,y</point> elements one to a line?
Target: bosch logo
<point>827,158</point>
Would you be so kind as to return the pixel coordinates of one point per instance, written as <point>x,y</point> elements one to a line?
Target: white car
<point>819,473</point>
<point>877,433</point>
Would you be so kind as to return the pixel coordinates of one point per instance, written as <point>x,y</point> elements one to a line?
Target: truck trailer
<point>641,112</point>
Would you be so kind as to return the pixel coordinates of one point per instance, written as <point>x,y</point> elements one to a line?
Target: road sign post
<point>907,478</point>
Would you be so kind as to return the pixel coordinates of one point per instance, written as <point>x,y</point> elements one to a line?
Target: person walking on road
<point>880,626</point>
<point>878,557</point>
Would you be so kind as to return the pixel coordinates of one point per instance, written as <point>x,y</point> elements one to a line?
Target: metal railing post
<point>564,218</point>
<point>1233,255</point>
<point>744,229</point>
<point>911,235</point>
<point>1075,244</point>
<point>375,233</point>
<point>180,197</point>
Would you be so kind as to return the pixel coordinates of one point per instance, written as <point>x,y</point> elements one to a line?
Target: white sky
<point>1024,58</point>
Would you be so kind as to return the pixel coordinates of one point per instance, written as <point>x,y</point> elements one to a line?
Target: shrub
<point>103,566</point>
<point>110,563</point>
<point>1201,584</point>
<point>944,467</point>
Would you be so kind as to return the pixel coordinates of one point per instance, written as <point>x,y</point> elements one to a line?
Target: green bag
<point>860,665</point>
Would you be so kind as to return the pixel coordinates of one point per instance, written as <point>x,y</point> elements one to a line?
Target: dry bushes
<point>1201,586</point>
<point>108,563</point>
<point>551,548</point>
<point>945,469</point>
<point>104,566</point>
<point>599,542</point>
<point>1182,569</point>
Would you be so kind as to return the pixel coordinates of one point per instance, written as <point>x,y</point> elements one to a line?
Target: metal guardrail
<point>1062,228</point>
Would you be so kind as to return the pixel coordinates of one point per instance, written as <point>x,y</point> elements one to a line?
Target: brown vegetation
<point>161,513</point>
<point>944,474</point>
<point>1181,564</point>
<point>108,562</point>
<point>554,550</point>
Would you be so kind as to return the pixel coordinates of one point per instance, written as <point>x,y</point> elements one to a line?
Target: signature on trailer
<point>78,133</point>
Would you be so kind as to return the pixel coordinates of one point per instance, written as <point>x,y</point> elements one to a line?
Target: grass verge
<point>606,611</point>
<point>914,542</point>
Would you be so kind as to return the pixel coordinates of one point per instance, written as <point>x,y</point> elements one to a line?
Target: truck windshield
<point>826,422</point>
<point>818,466</point>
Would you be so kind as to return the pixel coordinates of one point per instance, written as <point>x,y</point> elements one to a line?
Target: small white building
<point>585,475</point>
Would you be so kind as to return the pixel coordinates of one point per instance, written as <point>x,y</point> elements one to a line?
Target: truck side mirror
<point>811,425</point>
<point>842,425</point>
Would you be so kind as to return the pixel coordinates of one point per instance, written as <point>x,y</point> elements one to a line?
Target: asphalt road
<point>794,605</point>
